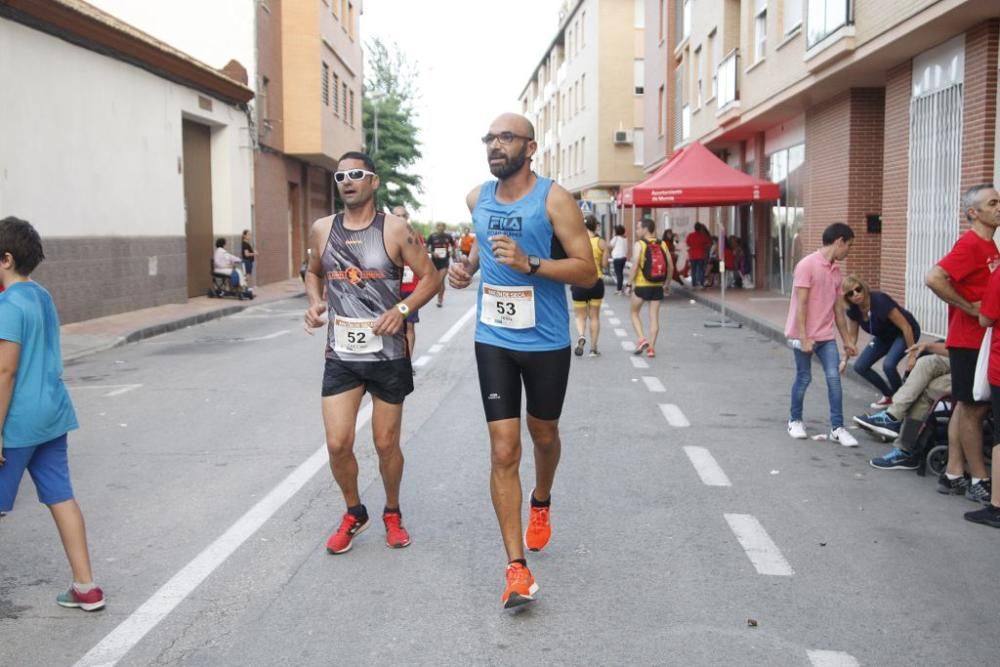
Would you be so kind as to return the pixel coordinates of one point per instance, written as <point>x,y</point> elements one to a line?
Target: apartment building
<point>878,113</point>
<point>585,100</point>
<point>126,153</point>
<point>303,58</point>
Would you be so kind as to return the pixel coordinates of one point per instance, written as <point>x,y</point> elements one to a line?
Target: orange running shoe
<point>650,352</point>
<point>539,529</point>
<point>396,536</point>
<point>521,586</point>
<point>342,541</point>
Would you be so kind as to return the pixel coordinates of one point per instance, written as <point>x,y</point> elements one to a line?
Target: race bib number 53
<point>354,336</point>
<point>508,307</point>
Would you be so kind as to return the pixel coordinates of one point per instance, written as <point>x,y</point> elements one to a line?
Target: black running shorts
<point>440,263</point>
<point>649,293</point>
<point>963,372</point>
<point>389,381</point>
<point>587,295</point>
<point>501,372</point>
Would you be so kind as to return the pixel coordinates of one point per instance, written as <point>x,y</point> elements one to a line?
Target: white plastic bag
<point>980,382</point>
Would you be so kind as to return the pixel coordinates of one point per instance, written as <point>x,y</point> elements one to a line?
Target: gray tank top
<point>362,282</point>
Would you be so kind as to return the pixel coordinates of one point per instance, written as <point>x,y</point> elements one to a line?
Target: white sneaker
<point>797,430</point>
<point>843,436</point>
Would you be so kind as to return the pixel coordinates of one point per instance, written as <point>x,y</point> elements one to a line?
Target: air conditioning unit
<point>623,137</point>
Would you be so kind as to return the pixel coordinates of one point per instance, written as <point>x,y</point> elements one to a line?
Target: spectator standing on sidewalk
<point>698,244</point>
<point>960,279</point>
<point>894,330</point>
<point>35,409</point>
<point>989,316</point>
<point>814,309</point>
<point>619,254</point>
<point>249,256</point>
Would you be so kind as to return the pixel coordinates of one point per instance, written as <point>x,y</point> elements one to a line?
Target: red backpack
<point>654,265</point>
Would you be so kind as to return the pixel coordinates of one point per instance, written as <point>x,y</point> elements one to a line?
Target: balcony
<point>728,93</point>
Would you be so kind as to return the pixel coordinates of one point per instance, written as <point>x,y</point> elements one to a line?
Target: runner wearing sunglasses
<point>530,242</point>
<point>357,257</point>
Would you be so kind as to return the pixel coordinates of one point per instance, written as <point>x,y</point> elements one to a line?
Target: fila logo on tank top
<point>518,311</point>
<point>362,282</point>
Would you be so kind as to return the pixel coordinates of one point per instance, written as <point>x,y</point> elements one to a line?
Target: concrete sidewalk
<point>760,310</point>
<point>80,339</point>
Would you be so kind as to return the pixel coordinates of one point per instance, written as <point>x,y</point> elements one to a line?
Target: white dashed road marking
<point>759,547</point>
<point>276,334</point>
<point>653,384</point>
<point>673,415</point>
<point>638,362</point>
<point>708,469</point>
<point>832,659</point>
<point>614,321</point>
<point>115,389</point>
<point>628,346</point>
<point>422,361</point>
<point>621,333</point>
<point>457,326</point>
<point>434,349</point>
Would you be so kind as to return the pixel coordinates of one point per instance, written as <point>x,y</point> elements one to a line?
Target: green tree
<point>390,91</point>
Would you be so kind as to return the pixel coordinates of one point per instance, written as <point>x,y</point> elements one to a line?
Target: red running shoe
<point>521,586</point>
<point>342,540</point>
<point>92,600</point>
<point>539,530</point>
<point>396,536</point>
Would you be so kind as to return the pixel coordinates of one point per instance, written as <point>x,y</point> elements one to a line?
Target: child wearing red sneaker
<point>35,409</point>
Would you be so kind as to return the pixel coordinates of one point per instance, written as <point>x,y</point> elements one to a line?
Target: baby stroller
<point>931,445</point>
<point>228,285</point>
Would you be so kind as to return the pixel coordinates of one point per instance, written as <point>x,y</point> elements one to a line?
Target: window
<point>640,14</point>
<point>325,83</point>
<point>335,8</point>
<point>639,77</point>
<point>583,91</point>
<point>336,94</point>
<point>583,154</point>
<point>660,109</point>
<point>352,108</point>
<point>638,156</point>
<point>661,20</point>
<point>686,19</point>
<point>710,61</point>
<point>263,119</point>
<point>791,15</point>
<point>350,20</point>
<point>760,29</point>
<point>569,45</point>
<point>716,61</point>
<point>697,77</point>
<point>583,30</point>
<point>344,98</point>
<point>825,17</point>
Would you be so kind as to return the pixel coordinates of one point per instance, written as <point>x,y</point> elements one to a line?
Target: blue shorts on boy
<point>48,466</point>
<point>40,409</point>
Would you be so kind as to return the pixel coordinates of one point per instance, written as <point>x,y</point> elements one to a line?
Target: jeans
<point>697,272</point>
<point>620,271</point>
<point>893,352</point>
<point>829,357</point>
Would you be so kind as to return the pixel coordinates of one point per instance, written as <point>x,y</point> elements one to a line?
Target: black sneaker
<point>952,487</point>
<point>979,492</point>
<point>580,342</point>
<point>988,516</point>
<point>897,459</point>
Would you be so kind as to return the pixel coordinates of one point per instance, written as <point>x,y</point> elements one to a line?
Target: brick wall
<point>979,114</point>
<point>895,180</point>
<point>844,145</point>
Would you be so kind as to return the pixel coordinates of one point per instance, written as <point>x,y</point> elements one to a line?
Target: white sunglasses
<point>351,174</point>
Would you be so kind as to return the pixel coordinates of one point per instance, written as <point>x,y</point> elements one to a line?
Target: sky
<point>473,57</point>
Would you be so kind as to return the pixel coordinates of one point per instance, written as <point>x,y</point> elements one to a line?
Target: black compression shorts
<point>501,372</point>
<point>389,381</point>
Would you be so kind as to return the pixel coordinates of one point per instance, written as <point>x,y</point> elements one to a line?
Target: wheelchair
<point>931,446</point>
<point>224,286</point>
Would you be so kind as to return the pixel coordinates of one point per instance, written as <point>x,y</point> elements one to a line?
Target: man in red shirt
<point>989,316</point>
<point>960,279</point>
<point>698,243</point>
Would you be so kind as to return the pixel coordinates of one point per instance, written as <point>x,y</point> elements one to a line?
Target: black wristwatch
<point>534,261</point>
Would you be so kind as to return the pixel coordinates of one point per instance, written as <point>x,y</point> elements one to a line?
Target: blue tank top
<point>527,223</point>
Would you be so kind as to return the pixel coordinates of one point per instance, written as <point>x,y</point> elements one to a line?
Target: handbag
<point>980,381</point>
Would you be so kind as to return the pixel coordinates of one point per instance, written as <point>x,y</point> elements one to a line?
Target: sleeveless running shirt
<point>362,282</point>
<point>595,250</point>
<point>514,310</point>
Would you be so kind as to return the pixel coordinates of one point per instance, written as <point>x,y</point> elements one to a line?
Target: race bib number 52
<point>508,307</point>
<point>354,336</point>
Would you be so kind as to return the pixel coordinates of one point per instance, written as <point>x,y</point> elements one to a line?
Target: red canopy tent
<point>694,177</point>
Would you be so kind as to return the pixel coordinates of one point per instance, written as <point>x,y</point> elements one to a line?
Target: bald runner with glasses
<point>357,258</point>
<point>530,243</point>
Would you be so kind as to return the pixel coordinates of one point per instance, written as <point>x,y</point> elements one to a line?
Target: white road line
<point>628,346</point>
<point>638,362</point>
<point>707,468</point>
<point>130,632</point>
<point>267,337</point>
<point>422,361</point>
<point>450,333</point>
<point>832,659</point>
<point>673,415</point>
<point>435,349</point>
<point>653,384</point>
<point>123,390</point>
<point>621,333</point>
<point>614,321</point>
<point>760,549</point>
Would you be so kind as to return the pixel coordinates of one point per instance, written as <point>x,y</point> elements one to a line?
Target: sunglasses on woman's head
<point>351,174</point>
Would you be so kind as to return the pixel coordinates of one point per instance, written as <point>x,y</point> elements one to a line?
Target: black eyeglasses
<point>504,138</point>
<point>352,174</point>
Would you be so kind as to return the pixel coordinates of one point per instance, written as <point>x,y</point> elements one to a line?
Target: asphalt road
<point>200,469</point>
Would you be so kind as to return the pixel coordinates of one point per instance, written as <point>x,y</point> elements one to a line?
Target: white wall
<point>213,31</point>
<point>91,146</point>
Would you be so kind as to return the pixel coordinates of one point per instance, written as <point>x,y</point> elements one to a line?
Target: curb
<point>166,327</point>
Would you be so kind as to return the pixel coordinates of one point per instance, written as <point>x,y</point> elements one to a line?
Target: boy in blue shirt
<point>35,409</point>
